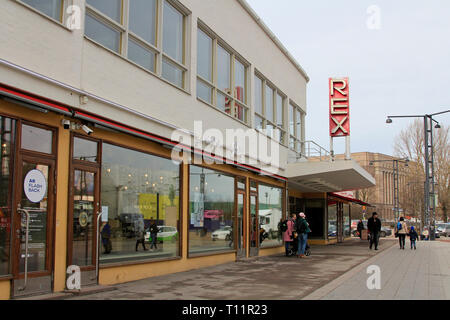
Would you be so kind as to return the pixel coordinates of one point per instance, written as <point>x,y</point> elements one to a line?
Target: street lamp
<point>395,181</point>
<point>429,166</point>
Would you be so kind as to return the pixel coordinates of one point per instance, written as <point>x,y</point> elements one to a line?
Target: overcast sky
<point>402,68</point>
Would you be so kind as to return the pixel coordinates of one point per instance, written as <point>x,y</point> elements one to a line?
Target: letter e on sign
<point>339,107</point>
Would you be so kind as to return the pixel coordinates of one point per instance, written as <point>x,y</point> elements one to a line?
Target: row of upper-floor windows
<point>152,34</point>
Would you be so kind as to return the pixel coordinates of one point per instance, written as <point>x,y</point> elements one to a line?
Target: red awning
<point>350,199</point>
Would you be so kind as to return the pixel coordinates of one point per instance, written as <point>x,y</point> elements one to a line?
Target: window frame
<point>126,35</point>
<point>274,121</point>
<point>213,85</point>
<point>297,137</point>
<point>63,15</point>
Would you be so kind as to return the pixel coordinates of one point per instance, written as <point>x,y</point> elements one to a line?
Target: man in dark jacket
<point>360,228</point>
<point>374,228</point>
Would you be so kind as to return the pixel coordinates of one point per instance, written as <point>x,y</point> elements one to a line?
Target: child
<point>413,237</point>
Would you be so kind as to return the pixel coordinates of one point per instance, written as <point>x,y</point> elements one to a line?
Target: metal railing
<point>27,213</point>
<point>310,150</point>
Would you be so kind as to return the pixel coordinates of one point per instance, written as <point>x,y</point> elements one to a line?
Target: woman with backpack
<point>401,232</point>
<point>287,227</point>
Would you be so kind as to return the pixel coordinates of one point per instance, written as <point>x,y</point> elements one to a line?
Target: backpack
<point>284,226</point>
<point>300,226</point>
<point>399,226</point>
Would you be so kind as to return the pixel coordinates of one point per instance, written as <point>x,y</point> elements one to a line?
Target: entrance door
<point>34,195</point>
<point>33,247</point>
<point>241,252</point>
<point>84,208</point>
<point>254,226</point>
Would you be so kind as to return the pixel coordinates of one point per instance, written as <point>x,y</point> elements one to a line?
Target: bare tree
<point>410,143</point>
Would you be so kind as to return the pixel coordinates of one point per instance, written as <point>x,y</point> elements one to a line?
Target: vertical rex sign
<point>339,107</point>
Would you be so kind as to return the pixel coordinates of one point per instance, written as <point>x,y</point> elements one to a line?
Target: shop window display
<point>139,192</point>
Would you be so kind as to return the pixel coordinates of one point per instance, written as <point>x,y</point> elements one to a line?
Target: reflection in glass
<point>280,120</point>
<point>7,142</point>
<point>239,81</point>
<point>258,95</point>
<point>37,235</point>
<point>204,91</point>
<point>138,189</point>
<point>140,55</point>
<point>83,217</point>
<point>347,221</point>
<point>270,212</point>
<point>173,32</point>
<point>204,55</point>
<point>111,8</point>
<point>332,219</point>
<point>258,122</point>
<point>223,70</point>
<point>211,210</point>
<point>172,73</point>
<point>103,34</point>
<point>37,139</point>
<point>85,150</point>
<point>269,104</point>
<point>223,103</point>
<point>51,8</point>
<point>254,226</point>
<point>142,19</point>
<point>298,123</point>
<point>291,119</point>
<point>241,112</point>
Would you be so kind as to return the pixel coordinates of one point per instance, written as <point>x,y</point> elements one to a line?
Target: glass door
<point>241,252</point>
<point>254,226</point>
<point>34,190</point>
<point>34,227</point>
<point>84,209</point>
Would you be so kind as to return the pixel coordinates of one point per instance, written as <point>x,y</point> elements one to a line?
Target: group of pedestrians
<point>296,234</point>
<point>401,231</point>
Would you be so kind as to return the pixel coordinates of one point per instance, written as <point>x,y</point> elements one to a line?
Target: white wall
<point>35,42</point>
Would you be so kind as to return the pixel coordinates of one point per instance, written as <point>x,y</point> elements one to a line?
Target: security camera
<point>66,124</point>
<point>87,129</point>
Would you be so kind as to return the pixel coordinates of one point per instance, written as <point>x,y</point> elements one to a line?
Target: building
<point>99,120</point>
<point>381,196</point>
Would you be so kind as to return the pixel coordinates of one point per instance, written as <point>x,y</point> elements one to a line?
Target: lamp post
<point>429,167</point>
<point>396,184</point>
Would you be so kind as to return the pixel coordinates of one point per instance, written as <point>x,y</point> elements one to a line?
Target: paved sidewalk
<point>405,275</point>
<point>263,278</point>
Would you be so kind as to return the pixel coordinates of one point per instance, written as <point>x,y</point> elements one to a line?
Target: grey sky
<point>402,68</point>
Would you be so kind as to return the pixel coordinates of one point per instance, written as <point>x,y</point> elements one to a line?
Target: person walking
<point>360,228</point>
<point>154,234</point>
<point>413,236</point>
<point>302,228</point>
<point>401,230</point>
<point>139,233</point>
<point>374,228</point>
<point>288,234</point>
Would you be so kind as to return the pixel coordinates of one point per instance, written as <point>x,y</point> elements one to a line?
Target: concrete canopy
<point>324,176</point>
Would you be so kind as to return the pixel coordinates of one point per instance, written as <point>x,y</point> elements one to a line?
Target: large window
<point>139,189</point>
<point>131,29</point>
<point>7,138</point>
<point>51,8</point>
<point>269,109</point>
<point>218,70</point>
<point>211,211</point>
<point>295,128</point>
<point>270,212</point>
